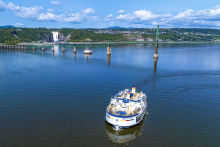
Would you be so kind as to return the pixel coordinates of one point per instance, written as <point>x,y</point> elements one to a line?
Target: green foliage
<point>82,34</point>
<point>8,35</point>
<point>24,34</point>
<point>65,31</point>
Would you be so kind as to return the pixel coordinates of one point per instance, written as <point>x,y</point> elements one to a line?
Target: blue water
<point>60,99</point>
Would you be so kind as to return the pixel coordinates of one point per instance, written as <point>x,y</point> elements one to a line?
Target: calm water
<point>60,99</point>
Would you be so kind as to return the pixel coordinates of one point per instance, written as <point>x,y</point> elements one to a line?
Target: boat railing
<point>111,111</point>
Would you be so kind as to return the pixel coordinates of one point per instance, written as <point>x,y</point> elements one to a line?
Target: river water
<point>60,99</point>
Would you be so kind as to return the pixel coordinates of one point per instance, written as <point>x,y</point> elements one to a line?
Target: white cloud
<point>201,18</point>
<point>89,11</point>
<point>109,17</point>
<point>111,23</point>
<point>18,24</point>
<point>50,10</point>
<point>120,11</point>
<point>2,6</point>
<point>34,13</point>
<point>71,10</point>
<point>55,3</point>
<point>141,16</point>
<point>29,13</point>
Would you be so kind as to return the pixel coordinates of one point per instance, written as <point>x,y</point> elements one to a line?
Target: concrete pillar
<point>52,49</point>
<point>74,50</point>
<point>109,50</point>
<point>87,51</point>
<point>63,49</point>
<point>156,50</point>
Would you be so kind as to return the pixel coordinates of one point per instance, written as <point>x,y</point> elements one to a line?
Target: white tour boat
<point>126,108</point>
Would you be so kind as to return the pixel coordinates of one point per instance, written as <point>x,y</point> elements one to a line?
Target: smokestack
<point>128,94</point>
<point>133,89</point>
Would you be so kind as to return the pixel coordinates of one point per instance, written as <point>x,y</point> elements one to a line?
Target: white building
<point>56,36</point>
<point>139,39</point>
<point>149,39</point>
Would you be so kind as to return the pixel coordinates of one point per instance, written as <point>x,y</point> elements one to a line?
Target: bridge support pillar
<point>156,45</point>
<point>109,52</point>
<point>87,51</point>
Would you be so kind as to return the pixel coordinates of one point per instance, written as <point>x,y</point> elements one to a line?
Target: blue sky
<point>102,14</point>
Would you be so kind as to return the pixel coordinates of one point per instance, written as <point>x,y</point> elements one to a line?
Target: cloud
<point>18,24</point>
<point>35,14</point>
<point>141,16</point>
<point>89,11</point>
<point>188,18</point>
<point>120,11</point>
<point>2,6</point>
<point>55,3</point>
<point>28,12</point>
<point>109,17</point>
<point>111,23</point>
<point>50,10</point>
<point>71,10</point>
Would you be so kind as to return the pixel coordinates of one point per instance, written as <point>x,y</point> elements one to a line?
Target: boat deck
<point>132,108</point>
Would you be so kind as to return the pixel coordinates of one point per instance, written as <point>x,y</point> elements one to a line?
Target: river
<point>55,99</point>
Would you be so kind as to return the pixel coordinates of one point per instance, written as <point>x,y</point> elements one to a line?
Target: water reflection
<point>155,64</point>
<point>74,55</point>
<point>108,59</point>
<point>87,56</point>
<point>56,49</point>
<point>125,136</point>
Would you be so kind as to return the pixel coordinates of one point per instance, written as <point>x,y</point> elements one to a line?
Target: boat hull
<point>125,121</point>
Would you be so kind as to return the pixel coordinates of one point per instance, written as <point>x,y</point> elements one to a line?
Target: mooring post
<point>74,50</point>
<point>25,48</point>
<point>63,49</point>
<point>156,45</point>
<point>109,49</point>
<point>33,48</point>
<point>52,49</point>
<point>43,49</point>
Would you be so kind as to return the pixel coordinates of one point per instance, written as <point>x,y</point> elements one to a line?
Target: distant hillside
<point>115,27</point>
<point>7,26</point>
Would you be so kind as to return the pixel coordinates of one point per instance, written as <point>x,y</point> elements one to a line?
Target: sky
<point>103,14</point>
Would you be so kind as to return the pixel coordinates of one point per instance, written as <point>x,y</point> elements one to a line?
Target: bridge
<point>25,46</point>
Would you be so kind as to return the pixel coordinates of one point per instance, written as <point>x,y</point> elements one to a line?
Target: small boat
<point>126,108</point>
